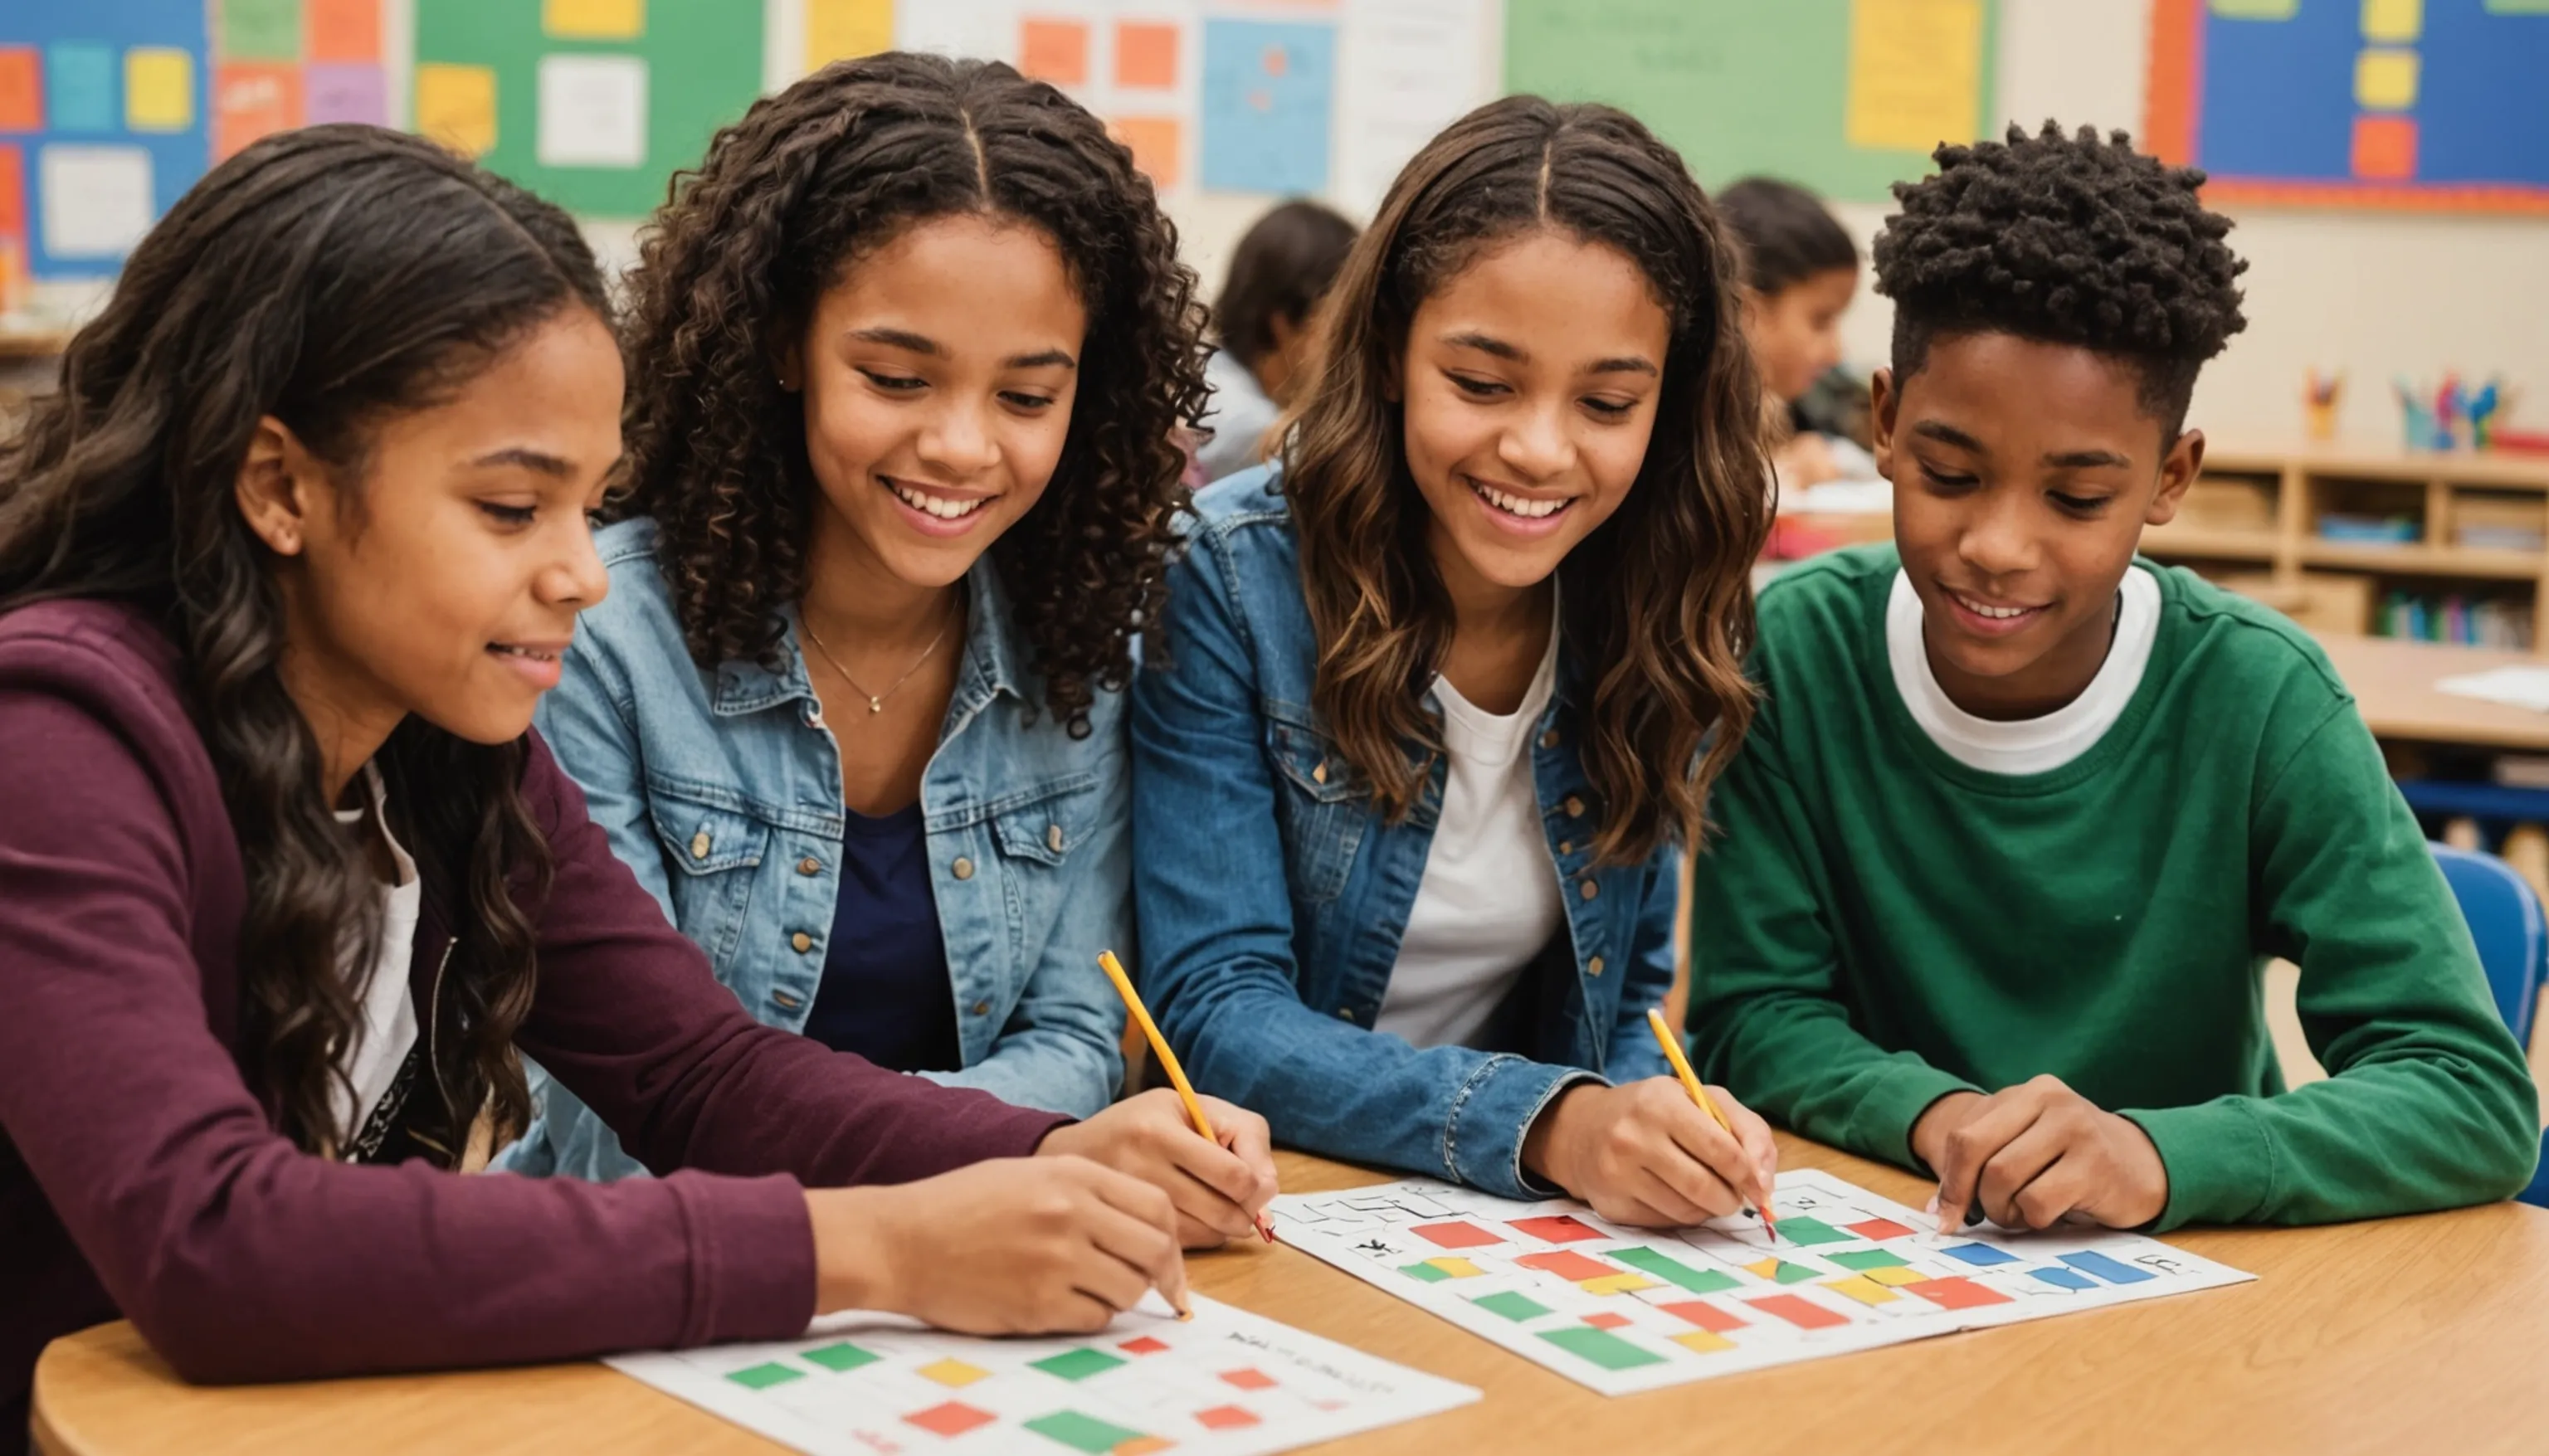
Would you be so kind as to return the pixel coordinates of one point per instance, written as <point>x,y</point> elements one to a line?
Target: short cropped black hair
<point>1786,232</point>
<point>1280,270</point>
<point>2065,239</point>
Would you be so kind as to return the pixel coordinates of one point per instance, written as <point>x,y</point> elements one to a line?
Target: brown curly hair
<point>1658,602</point>
<point>806,183</point>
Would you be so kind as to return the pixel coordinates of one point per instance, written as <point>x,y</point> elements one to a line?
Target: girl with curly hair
<point>291,885</point>
<point>1439,695</point>
<point>907,354</point>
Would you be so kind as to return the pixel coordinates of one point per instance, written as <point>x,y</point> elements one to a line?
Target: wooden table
<point>2393,682</point>
<point>2409,1334</point>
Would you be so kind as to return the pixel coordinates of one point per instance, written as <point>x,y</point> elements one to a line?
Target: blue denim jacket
<point>1271,896</point>
<point>722,791</point>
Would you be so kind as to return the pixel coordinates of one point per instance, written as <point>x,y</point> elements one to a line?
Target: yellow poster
<point>456,105</point>
<point>158,89</point>
<point>1914,73</point>
<point>842,30</point>
<point>592,20</point>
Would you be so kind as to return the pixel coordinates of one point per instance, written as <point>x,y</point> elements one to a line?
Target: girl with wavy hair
<point>1437,697</point>
<point>907,354</point>
<point>284,567</point>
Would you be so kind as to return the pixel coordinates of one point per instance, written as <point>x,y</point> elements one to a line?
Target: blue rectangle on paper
<point>1269,92</point>
<point>2065,1278</point>
<point>1980,1255</point>
<point>79,86</point>
<point>2107,1269</point>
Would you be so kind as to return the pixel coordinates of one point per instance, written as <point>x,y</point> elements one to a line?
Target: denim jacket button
<point>1346,1012</point>
<point>981,1008</point>
<point>1593,966</point>
<point>802,942</point>
<point>810,866</point>
<point>1053,838</point>
<point>1574,807</point>
<point>1567,846</point>
<point>700,844</point>
<point>1319,774</point>
<point>1588,889</point>
<point>784,1001</point>
<point>963,869</point>
<point>1549,739</point>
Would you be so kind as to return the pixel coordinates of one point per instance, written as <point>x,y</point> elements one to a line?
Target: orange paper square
<point>253,99</point>
<point>342,30</point>
<point>1159,145</point>
<point>2385,148</point>
<point>1146,55</point>
<point>22,89</point>
<point>13,197</point>
<point>1055,51</point>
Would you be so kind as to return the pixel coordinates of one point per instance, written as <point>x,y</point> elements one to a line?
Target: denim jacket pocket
<point>713,850</point>
<point>1321,810</point>
<point>1045,825</point>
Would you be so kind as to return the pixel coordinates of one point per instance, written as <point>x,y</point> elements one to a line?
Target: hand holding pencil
<point>1649,1154</point>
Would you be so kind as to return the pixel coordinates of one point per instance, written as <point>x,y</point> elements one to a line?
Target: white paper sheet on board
<point>985,30</point>
<point>1405,71</point>
<point>97,201</point>
<point>593,110</point>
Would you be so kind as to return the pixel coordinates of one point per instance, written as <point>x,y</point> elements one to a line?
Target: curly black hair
<point>2067,240</point>
<point>808,182</point>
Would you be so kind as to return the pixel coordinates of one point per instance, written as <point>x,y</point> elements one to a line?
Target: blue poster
<point>101,165</point>
<point>1268,91</point>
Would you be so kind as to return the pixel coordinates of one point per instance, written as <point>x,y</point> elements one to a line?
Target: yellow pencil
<point>1699,1094</point>
<point>1115,970</point>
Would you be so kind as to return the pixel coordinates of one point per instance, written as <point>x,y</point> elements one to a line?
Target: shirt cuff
<point>1881,1124</point>
<point>2221,1165</point>
<point>752,1257</point>
<point>1492,1113</point>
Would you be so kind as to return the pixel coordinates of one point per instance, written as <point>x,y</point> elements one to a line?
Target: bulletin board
<point>102,127</point>
<point>2429,105</point>
<point>593,104</point>
<point>1844,96</point>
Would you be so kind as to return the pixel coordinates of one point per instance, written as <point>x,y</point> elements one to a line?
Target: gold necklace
<point>875,701</point>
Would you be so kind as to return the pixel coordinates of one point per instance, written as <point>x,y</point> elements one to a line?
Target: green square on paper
<point>763,1377</point>
<point>1078,1364</point>
<point>1601,1346</point>
<point>261,30</point>
<point>841,1357</point>
<point>1863,1259</point>
<point>1424,1271</point>
<point>1081,1432</point>
<point>1514,1307</point>
<point>1673,1271</point>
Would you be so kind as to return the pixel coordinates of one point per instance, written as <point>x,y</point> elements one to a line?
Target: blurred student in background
<point>1281,269</point>
<point>1800,271</point>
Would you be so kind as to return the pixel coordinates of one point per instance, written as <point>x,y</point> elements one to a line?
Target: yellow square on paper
<point>1897,1276</point>
<point>1456,1269</point>
<point>844,30</point>
<point>592,20</point>
<point>456,105</point>
<point>955,1374</point>
<point>2384,80</point>
<point>158,89</point>
<point>1617,1284</point>
<point>1702,1341</point>
<point>1863,1289</point>
<point>2393,22</point>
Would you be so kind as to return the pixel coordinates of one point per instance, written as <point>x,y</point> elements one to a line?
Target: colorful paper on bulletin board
<point>278,65</point>
<point>107,103</point>
<point>844,30</point>
<point>1845,96</point>
<point>1269,89</point>
<point>694,65</point>
<point>2374,104</point>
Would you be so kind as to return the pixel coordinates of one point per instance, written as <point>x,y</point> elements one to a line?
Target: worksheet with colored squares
<point>1624,1309</point>
<point>1225,1383</point>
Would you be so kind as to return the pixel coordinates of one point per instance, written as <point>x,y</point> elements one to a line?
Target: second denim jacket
<point>722,791</point>
<point>1272,895</point>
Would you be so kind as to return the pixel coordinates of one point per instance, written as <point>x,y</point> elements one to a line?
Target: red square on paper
<point>1955,1294</point>
<point>1143,1346</point>
<point>22,89</point>
<point>1606,1320</point>
<point>342,30</point>
<point>2385,148</point>
<point>951,1419</point>
<point>1803,1314</point>
<point>1568,1264</point>
<point>1454,1235</point>
<point>1249,1380</point>
<point>1226,1417</point>
<point>1877,1230</point>
<point>1055,51</point>
<point>1706,1315</point>
<point>1146,55</point>
<point>1559,1230</point>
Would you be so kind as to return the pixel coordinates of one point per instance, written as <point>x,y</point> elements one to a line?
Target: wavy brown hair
<point>333,278</point>
<point>795,193</point>
<point>1658,602</point>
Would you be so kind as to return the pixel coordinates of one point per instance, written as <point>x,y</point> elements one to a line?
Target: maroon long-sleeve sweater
<point>138,1174</point>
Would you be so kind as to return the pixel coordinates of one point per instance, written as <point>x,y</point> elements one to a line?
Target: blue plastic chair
<point>2504,919</point>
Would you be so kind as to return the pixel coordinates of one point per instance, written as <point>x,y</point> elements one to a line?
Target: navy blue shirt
<point>886,994</point>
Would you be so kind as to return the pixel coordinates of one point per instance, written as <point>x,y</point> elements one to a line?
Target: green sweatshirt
<point>1878,925</point>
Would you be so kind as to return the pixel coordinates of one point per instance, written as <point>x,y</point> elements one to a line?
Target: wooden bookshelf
<point>2261,506</point>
